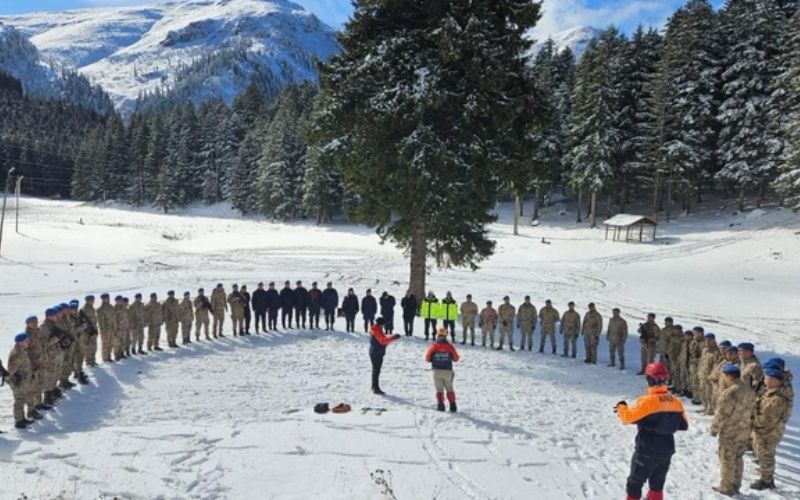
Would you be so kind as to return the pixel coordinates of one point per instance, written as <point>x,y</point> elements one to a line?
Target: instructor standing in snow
<point>441,355</point>
<point>658,416</point>
<point>377,350</point>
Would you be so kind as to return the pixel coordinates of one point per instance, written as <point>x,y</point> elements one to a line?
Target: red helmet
<point>657,372</point>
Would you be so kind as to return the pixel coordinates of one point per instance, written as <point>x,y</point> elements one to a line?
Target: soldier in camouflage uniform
<point>107,324</point>
<point>649,333</point>
<point>730,355</point>
<point>592,327</point>
<point>90,339</point>
<point>663,342</point>
<point>127,333</point>
<point>681,375</point>
<point>137,323</point>
<point>752,374</point>
<point>732,424</point>
<point>773,409</point>
<point>708,360</point>
<point>202,306</point>
<point>20,378</point>
<point>570,328</point>
<point>548,316</point>
<point>37,351</point>
<point>153,318</point>
<point>236,302</point>
<point>674,353</point>
<point>488,320</point>
<point>469,311</point>
<point>186,316</point>
<point>526,322</point>
<point>170,308</point>
<point>506,314</point>
<point>52,334</point>
<point>219,306</point>
<point>695,353</point>
<point>617,336</point>
<point>79,328</point>
<point>68,347</point>
<point>122,327</point>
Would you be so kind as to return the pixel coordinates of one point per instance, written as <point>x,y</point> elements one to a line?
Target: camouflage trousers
<point>526,336</point>
<point>590,342</point>
<point>648,354</point>
<point>106,341</point>
<point>137,338</point>
<point>487,332</point>
<point>731,464</point>
<point>237,318</point>
<point>186,331</point>
<point>546,334</point>
<point>119,343</point>
<point>571,344</point>
<point>90,349</point>
<point>54,371</point>
<point>764,446</point>
<point>78,354</point>
<point>694,382</point>
<point>219,322</point>
<point>707,395</point>
<point>127,340</point>
<point>678,377</point>
<point>616,349</point>
<point>506,332</point>
<point>67,364</point>
<point>201,320</point>
<point>23,396</point>
<point>468,325</point>
<point>153,336</point>
<point>664,360</point>
<point>172,332</point>
<point>39,384</point>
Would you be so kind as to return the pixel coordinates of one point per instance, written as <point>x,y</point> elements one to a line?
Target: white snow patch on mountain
<point>576,39</point>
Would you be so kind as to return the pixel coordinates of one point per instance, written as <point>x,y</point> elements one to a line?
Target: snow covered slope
<point>220,43</point>
<point>576,39</point>
<point>233,419</point>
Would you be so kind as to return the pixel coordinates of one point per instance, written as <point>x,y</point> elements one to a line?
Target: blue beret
<point>125,299</point>
<point>730,368</point>
<point>732,348</point>
<point>31,318</point>
<point>725,343</point>
<point>63,305</point>
<point>105,296</point>
<point>21,337</point>
<point>88,298</point>
<point>747,346</point>
<point>57,308</point>
<point>51,311</point>
<point>780,363</point>
<point>710,336</point>
<point>117,298</point>
<point>774,372</point>
<point>74,301</point>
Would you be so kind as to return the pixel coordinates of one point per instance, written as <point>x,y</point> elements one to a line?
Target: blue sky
<point>558,14</point>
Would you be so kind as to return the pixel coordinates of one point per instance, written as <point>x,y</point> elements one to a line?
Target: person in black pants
<point>330,299</point>
<point>409,305</point>
<point>377,350</point>
<point>273,304</point>
<point>287,304</point>
<point>369,307</point>
<point>387,303</point>
<point>247,313</point>
<point>259,303</point>
<point>350,309</point>
<point>314,306</point>
<point>300,304</point>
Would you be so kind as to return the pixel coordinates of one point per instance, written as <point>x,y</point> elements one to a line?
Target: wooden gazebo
<point>629,224</point>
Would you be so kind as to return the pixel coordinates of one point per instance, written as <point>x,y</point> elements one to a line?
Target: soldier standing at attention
<point>236,302</point>
<point>79,329</point>
<point>105,320</point>
<point>37,351</point>
<point>186,316</point>
<point>127,333</point>
<point>752,373</point>
<point>715,378</point>
<point>708,360</point>
<point>506,314</point>
<point>773,409</point>
<point>170,308</point>
<point>90,341</point>
<point>121,324</point>
<point>570,328</point>
<point>202,306</point>
<point>617,335</point>
<point>732,424</point>
<point>526,322</point>
<point>153,318</point>
<point>695,353</point>
<point>219,306</point>
<point>592,326</point>
<point>664,339</point>
<point>488,321</point>
<point>469,311</point>
<point>136,316</point>
<point>684,388</point>
<point>441,355</point>
<point>658,417</point>
<point>648,338</point>
<point>20,377</point>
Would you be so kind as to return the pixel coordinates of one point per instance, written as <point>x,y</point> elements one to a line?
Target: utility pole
<point>5,198</point>
<point>17,192</point>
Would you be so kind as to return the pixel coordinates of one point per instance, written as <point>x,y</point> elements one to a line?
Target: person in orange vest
<point>378,341</point>
<point>441,355</point>
<point>658,415</point>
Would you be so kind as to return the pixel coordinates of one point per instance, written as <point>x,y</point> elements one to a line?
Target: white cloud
<point>559,15</point>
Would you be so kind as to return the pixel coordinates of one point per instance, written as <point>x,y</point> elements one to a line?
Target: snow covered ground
<point>233,419</point>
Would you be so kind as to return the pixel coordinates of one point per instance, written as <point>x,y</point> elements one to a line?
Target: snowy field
<point>233,419</point>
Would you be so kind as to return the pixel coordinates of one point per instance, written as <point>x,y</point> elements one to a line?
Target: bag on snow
<point>321,408</point>
<point>341,408</point>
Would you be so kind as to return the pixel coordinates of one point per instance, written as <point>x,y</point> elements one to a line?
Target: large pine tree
<point>788,183</point>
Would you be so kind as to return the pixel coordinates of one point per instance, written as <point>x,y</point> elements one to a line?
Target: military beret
<point>219,285</point>
<point>725,343</point>
<point>63,305</point>
<point>774,372</point>
<point>200,290</point>
<point>186,293</point>
<point>88,298</point>
<point>58,308</point>
<point>732,348</point>
<point>105,296</point>
<point>698,329</point>
<point>171,292</point>
<point>31,318</point>
<point>780,363</point>
<point>118,298</point>
<point>730,368</point>
<point>747,346</point>
<point>74,301</point>
<point>669,318</point>
<point>710,336</point>
<point>21,337</point>
<point>51,311</point>
<point>137,296</point>
<point>153,295</point>
<point>73,306</point>
<point>125,299</point>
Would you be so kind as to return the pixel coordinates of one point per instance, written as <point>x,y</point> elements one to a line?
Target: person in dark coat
<point>350,309</point>
<point>301,301</point>
<point>409,305</point>
<point>387,303</point>
<point>287,304</point>
<point>330,300</point>
<point>314,306</point>
<point>377,350</point>
<point>247,313</point>
<point>259,303</point>
<point>369,308</point>
<point>273,304</point>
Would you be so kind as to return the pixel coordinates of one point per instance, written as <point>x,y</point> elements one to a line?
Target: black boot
<point>21,424</point>
<point>440,406</point>
<point>83,379</point>
<point>763,485</point>
<point>541,350</point>
<point>452,406</point>
<point>35,415</point>
<point>378,391</point>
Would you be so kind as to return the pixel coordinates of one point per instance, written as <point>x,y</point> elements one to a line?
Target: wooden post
<point>5,198</point>
<point>17,191</point>
<point>641,230</point>
<point>606,231</point>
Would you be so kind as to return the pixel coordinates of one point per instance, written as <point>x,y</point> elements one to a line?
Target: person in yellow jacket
<point>448,313</point>
<point>429,311</point>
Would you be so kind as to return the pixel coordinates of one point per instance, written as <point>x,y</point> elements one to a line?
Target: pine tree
<point>788,86</point>
<point>138,193</point>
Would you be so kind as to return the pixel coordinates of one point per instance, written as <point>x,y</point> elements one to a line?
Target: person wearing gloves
<point>441,355</point>
<point>378,341</point>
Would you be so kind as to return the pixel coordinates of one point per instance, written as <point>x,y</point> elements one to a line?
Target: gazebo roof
<point>625,220</point>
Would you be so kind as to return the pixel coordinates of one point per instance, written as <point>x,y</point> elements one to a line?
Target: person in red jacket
<point>441,355</point>
<point>658,415</point>
<point>377,350</point>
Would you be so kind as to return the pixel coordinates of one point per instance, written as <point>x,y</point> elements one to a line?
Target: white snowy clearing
<point>233,418</point>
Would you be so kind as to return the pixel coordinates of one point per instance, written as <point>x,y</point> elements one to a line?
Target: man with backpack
<point>441,355</point>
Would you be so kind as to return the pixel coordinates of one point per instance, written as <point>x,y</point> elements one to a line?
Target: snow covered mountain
<point>201,49</point>
<point>575,38</point>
